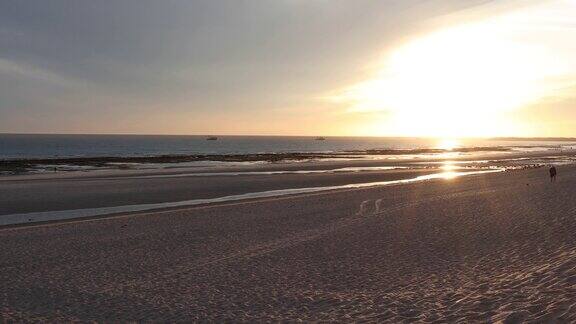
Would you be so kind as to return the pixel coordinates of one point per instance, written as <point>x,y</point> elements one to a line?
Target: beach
<point>288,161</point>
<point>480,248</point>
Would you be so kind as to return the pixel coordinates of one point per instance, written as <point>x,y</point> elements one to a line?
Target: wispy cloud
<point>33,73</point>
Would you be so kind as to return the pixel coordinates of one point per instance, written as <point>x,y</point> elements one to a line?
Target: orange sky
<point>365,68</point>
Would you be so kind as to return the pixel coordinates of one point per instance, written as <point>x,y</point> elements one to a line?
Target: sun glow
<point>463,81</point>
<point>448,144</point>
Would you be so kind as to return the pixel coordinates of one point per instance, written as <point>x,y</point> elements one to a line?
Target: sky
<point>446,68</point>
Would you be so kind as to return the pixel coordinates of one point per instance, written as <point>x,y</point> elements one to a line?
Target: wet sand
<point>483,248</point>
<point>69,193</point>
<point>60,191</point>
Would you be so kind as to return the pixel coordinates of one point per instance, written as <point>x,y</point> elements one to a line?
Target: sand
<point>54,194</point>
<point>484,248</point>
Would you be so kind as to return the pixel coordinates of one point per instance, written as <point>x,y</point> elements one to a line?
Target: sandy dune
<point>487,248</point>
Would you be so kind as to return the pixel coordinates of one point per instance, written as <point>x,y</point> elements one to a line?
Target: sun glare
<point>448,144</point>
<point>458,82</point>
<point>448,170</point>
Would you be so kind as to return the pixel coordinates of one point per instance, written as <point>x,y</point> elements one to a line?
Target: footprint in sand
<point>367,208</point>
<point>377,204</point>
<point>363,211</point>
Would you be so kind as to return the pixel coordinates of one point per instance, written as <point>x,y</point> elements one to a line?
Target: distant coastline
<point>540,139</point>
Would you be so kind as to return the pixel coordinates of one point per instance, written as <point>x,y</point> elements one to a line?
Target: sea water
<point>24,146</point>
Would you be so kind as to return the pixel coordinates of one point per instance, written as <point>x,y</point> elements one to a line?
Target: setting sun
<point>460,81</point>
<point>448,144</point>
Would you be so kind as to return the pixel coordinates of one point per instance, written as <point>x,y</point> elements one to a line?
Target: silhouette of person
<point>552,173</point>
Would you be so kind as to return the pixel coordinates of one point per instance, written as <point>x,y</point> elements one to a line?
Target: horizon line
<point>550,138</point>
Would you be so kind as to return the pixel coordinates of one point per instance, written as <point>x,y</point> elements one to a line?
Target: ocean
<point>26,146</point>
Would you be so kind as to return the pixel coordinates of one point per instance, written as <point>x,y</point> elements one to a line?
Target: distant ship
<point>320,138</point>
<point>212,138</point>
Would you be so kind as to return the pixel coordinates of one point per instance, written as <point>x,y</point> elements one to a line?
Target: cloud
<point>32,73</point>
<point>190,59</point>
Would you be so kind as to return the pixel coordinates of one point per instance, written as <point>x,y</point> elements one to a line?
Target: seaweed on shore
<point>15,166</point>
<point>18,166</point>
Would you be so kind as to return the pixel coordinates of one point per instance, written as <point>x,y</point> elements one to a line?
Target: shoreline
<point>78,214</point>
<point>19,167</point>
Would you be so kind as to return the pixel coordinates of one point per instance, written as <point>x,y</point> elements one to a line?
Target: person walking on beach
<point>552,173</point>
